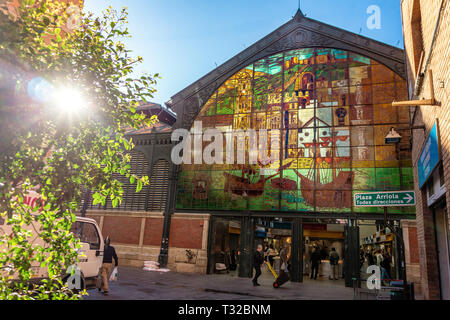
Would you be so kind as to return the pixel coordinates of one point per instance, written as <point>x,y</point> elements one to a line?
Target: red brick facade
<point>153,231</point>
<point>122,230</point>
<point>420,18</point>
<point>186,233</point>
<point>137,237</point>
<point>413,245</point>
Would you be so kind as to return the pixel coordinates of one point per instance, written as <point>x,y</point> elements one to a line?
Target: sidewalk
<point>136,284</point>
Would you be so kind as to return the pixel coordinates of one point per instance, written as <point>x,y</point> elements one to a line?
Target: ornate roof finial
<point>299,15</point>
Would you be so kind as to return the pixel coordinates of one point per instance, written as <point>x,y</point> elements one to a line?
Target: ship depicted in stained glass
<point>333,188</point>
<point>251,182</point>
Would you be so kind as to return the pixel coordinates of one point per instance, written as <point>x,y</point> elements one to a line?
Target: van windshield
<point>87,233</point>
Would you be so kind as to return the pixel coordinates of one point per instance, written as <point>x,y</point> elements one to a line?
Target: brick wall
<point>413,245</point>
<point>153,231</point>
<point>122,229</point>
<point>427,115</point>
<point>186,233</point>
<point>413,270</point>
<point>136,235</point>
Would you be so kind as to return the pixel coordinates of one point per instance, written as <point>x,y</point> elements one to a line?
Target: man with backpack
<point>334,263</point>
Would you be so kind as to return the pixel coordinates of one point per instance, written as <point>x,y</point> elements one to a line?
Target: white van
<point>90,254</point>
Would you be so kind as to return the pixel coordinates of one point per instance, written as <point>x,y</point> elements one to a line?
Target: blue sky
<point>182,40</point>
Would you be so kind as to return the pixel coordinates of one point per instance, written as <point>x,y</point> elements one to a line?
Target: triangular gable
<point>299,32</point>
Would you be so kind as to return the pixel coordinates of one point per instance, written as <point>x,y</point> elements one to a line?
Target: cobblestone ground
<point>136,284</point>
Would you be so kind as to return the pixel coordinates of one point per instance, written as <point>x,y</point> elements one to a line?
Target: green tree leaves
<point>56,153</point>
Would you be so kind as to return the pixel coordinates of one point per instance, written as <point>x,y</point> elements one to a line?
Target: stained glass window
<point>330,112</point>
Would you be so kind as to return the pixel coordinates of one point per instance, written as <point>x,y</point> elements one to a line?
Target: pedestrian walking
<point>108,255</point>
<point>258,260</point>
<point>315,261</point>
<point>334,262</point>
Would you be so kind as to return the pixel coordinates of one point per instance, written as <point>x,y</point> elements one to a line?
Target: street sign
<point>430,156</point>
<point>385,199</point>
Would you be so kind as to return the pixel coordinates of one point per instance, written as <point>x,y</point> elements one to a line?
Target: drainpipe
<point>163,257</point>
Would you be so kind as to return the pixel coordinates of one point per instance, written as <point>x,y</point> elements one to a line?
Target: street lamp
<point>393,137</point>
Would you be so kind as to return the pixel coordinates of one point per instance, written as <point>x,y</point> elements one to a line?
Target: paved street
<point>136,284</point>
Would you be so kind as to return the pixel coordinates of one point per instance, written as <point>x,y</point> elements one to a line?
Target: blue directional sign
<point>430,156</point>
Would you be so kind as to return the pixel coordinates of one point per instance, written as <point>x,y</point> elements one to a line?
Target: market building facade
<point>324,94</point>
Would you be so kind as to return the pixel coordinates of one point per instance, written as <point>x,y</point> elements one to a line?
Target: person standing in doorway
<point>108,255</point>
<point>271,254</point>
<point>266,252</point>
<point>386,264</point>
<point>258,260</point>
<point>284,257</point>
<point>370,258</point>
<point>380,263</point>
<point>315,261</point>
<point>334,263</point>
<point>379,257</point>
<point>362,258</point>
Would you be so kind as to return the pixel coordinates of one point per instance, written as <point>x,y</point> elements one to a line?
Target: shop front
<point>433,190</point>
<point>233,241</point>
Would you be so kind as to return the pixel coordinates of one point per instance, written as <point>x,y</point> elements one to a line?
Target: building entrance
<point>331,250</point>
<point>443,252</point>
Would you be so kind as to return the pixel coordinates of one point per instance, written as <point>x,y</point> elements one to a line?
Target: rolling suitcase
<point>282,279</point>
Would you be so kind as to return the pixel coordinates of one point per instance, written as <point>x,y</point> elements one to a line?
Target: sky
<point>183,40</point>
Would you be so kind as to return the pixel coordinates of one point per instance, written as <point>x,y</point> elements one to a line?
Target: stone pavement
<point>136,284</point>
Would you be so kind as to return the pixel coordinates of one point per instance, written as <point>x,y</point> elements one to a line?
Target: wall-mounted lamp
<point>393,137</point>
